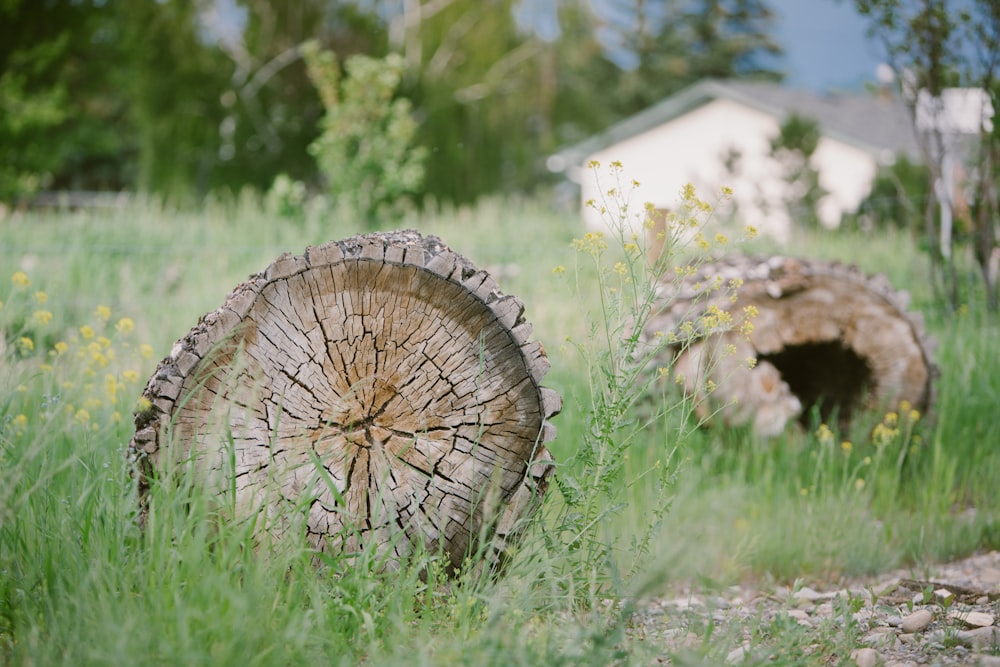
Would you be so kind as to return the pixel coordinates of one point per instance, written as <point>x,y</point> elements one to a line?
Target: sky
<point>825,45</point>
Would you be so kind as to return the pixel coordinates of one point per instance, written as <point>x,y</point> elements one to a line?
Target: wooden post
<point>382,384</point>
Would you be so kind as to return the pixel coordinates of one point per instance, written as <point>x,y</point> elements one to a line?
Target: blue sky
<point>825,44</point>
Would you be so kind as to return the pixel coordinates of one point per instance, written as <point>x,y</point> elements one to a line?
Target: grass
<point>80,585</point>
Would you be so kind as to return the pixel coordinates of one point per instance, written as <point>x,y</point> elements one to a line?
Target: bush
<point>365,150</point>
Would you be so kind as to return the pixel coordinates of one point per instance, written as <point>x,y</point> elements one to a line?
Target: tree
<point>272,110</point>
<point>793,149</point>
<point>934,45</point>
<point>666,46</point>
<point>63,114</point>
<point>483,89</point>
<point>174,76</point>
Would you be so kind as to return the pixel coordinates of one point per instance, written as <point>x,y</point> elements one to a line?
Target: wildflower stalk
<point>632,285</point>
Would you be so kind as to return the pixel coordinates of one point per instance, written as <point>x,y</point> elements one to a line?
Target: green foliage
<point>59,125</point>
<point>898,198</point>
<point>793,148</point>
<point>173,80</point>
<point>365,149</point>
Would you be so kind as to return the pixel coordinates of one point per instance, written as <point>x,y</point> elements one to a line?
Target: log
<point>382,384</point>
<point>826,335</point>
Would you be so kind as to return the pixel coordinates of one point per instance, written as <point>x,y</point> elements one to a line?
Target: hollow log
<point>825,336</point>
<point>382,387</point>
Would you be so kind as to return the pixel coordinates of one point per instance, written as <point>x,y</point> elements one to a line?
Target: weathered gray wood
<point>824,333</point>
<point>382,383</point>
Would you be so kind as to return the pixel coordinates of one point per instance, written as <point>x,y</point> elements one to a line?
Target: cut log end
<point>825,337</point>
<point>382,385</point>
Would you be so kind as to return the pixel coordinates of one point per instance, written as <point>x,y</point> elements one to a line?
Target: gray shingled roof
<point>872,123</point>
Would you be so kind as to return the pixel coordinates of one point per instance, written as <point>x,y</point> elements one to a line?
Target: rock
<point>980,638</point>
<point>806,594</point>
<point>943,594</point>
<point>901,663</point>
<point>865,657</point>
<point>976,619</point>
<point>801,617</point>
<point>737,655</point>
<point>916,621</point>
<point>881,638</point>
<point>989,661</point>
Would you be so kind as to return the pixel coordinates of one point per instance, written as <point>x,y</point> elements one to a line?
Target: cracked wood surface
<point>381,384</point>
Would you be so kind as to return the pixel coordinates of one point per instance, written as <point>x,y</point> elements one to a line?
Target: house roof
<point>874,124</point>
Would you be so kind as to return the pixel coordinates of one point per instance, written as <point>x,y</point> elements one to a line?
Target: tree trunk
<point>382,385</point>
<point>825,335</point>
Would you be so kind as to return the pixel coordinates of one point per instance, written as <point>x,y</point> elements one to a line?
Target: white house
<point>685,138</point>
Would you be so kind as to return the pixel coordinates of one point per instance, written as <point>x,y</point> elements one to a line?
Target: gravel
<point>946,615</point>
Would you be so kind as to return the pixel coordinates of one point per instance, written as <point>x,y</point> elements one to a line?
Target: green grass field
<point>91,301</point>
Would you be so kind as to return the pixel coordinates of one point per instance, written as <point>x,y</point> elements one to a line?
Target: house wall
<point>691,149</point>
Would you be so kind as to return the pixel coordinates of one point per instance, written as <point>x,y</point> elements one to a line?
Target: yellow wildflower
<point>87,332</point>
<point>41,297</point>
<point>41,317</point>
<point>81,416</point>
<point>111,387</point>
<point>61,347</point>
<point>125,325</point>
<point>559,269</point>
<point>103,313</point>
<point>859,483</point>
<point>20,279</point>
<point>20,421</point>
<point>130,376</point>
<point>26,344</point>
<point>847,446</point>
<point>104,342</point>
<point>146,351</point>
